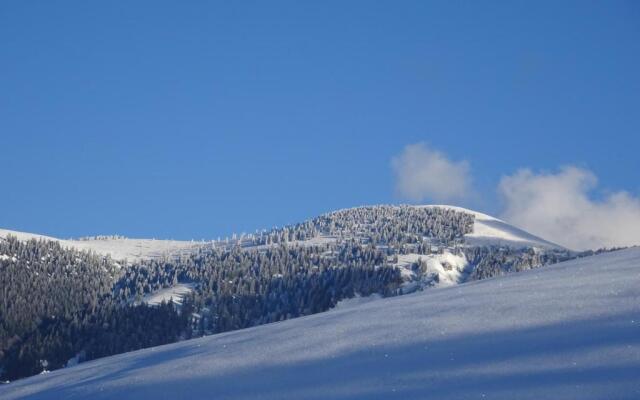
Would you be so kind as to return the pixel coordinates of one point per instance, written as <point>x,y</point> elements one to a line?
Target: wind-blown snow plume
<point>558,207</point>
<point>425,173</point>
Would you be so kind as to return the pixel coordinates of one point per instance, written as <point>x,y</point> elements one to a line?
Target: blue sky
<point>198,119</point>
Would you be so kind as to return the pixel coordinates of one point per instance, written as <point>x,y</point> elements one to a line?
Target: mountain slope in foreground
<point>570,330</point>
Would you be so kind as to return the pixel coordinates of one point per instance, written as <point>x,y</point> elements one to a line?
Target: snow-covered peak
<point>491,231</point>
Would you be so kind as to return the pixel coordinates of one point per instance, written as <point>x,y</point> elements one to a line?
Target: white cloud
<point>424,173</point>
<point>558,207</point>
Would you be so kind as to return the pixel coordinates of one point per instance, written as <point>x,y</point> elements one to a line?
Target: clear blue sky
<point>196,119</point>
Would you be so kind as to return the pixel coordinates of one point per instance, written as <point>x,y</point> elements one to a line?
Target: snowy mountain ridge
<point>116,248</point>
<point>566,331</point>
<point>487,231</point>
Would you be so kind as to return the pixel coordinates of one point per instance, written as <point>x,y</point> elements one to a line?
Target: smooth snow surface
<point>488,231</point>
<point>118,249</point>
<point>568,331</point>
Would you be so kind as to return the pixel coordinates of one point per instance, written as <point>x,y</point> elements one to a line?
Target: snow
<point>24,236</point>
<point>490,231</point>
<point>118,249</point>
<point>315,241</point>
<point>319,240</point>
<point>443,269</point>
<point>175,293</point>
<point>5,257</point>
<point>567,331</point>
<point>356,301</point>
<point>137,249</point>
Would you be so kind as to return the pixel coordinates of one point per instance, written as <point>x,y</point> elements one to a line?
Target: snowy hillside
<point>568,331</point>
<point>117,248</point>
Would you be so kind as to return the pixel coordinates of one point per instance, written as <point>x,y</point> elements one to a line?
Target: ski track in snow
<point>567,331</point>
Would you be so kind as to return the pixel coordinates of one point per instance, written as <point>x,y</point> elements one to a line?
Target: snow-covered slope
<point>118,249</point>
<point>568,331</point>
<point>488,230</point>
